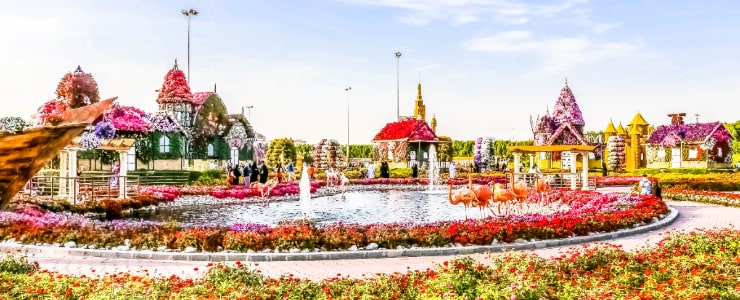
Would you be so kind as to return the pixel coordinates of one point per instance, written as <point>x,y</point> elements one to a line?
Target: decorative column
<point>63,172</point>
<point>573,171</point>
<point>123,171</point>
<point>531,161</point>
<point>584,177</point>
<point>72,175</point>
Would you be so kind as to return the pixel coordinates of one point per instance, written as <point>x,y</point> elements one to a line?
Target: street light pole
<point>249,112</point>
<point>348,156</point>
<point>398,85</point>
<point>188,13</point>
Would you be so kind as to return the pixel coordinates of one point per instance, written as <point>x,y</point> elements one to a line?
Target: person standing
<point>646,185</point>
<point>247,173</point>
<point>384,171</point>
<point>263,174</point>
<point>255,172</point>
<point>279,172</point>
<point>116,171</point>
<point>371,170</point>
<point>237,174</point>
<point>310,172</point>
<point>291,172</point>
<point>452,170</point>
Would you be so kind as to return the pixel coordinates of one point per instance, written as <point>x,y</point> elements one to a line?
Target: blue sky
<point>485,65</point>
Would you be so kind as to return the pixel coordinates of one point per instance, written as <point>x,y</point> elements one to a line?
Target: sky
<point>485,66</point>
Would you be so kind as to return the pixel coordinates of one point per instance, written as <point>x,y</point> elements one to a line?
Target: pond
<point>361,207</point>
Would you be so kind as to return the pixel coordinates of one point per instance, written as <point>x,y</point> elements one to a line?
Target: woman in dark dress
<point>255,173</point>
<point>263,174</point>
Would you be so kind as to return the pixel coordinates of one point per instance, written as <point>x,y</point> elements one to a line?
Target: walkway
<point>691,216</point>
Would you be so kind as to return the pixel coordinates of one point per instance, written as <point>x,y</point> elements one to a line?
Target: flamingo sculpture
<point>466,196</point>
<point>266,187</point>
<point>542,186</point>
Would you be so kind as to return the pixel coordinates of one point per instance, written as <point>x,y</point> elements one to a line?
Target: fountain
<point>305,187</point>
<point>433,167</point>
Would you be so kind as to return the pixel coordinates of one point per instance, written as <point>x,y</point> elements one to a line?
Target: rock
<point>122,248</point>
<point>92,247</point>
<point>305,251</point>
<point>277,250</point>
<point>372,246</point>
<point>268,250</point>
<point>250,251</point>
<point>316,250</point>
<point>161,248</point>
<point>56,245</point>
<point>520,241</point>
<point>127,243</point>
<point>219,249</point>
<point>295,250</point>
<point>190,250</point>
<point>70,244</point>
<point>458,245</point>
<point>83,246</point>
<point>400,247</point>
<point>353,248</point>
<point>495,242</point>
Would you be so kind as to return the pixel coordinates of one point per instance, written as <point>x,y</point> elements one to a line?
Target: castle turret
<point>636,152</point>
<point>419,107</point>
<point>175,97</point>
<point>608,132</point>
<point>434,123</point>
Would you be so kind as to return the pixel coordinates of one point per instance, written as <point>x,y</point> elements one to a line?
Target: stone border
<point>335,255</point>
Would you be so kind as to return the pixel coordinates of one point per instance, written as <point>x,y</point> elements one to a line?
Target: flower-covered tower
<point>175,97</point>
<point>78,89</point>
<point>566,110</point>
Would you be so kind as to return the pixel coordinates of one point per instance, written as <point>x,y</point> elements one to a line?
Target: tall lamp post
<point>188,13</point>
<point>348,89</point>
<point>249,112</point>
<point>398,85</point>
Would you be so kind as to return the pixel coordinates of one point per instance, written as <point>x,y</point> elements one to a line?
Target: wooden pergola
<point>573,149</point>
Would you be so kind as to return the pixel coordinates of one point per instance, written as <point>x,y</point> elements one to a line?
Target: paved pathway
<point>691,216</point>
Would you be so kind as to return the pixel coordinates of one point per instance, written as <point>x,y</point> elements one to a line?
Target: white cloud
<point>421,12</point>
<point>558,53</point>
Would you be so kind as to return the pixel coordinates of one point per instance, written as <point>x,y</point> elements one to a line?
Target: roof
<point>610,128</point>
<point>551,148</point>
<point>638,120</point>
<point>407,130</point>
<point>566,109</point>
<point>575,137</point>
<point>691,133</point>
<point>175,87</point>
<point>200,97</point>
<point>620,129</point>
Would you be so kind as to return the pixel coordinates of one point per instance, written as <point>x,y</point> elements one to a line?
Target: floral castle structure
<point>625,147</point>
<point>406,141</point>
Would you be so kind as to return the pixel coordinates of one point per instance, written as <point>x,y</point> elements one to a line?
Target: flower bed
<point>590,212</point>
<point>683,193</point>
<point>701,265</point>
<point>711,182</point>
<point>619,180</point>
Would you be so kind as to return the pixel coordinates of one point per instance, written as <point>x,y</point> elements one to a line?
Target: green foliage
<point>105,156</point>
<point>17,265</point>
<point>401,173</point>
<point>463,148</point>
<point>304,150</point>
<point>228,276</point>
<point>734,129</point>
<point>280,152</point>
<point>444,149</point>
<point>212,117</point>
<point>361,151</point>
<point>175,145</point>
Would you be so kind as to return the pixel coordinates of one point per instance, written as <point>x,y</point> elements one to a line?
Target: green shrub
<point>401,173</point>
<point>17,265</point>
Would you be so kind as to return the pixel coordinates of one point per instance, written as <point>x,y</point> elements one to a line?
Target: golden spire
<point>419,107</point>
<point>434,123</point>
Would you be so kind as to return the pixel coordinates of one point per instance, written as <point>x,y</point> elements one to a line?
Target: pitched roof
<point>575,137</point>
<point>566,109</point>
<point>408,130</point>
<point>691,133</point>
<point>638,120</point>
<point>620,129</point>
<point>610,128</point>
<point>200,97</point>
<point>175,87</point>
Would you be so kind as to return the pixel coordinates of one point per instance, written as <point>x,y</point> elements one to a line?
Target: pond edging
<point>333,255</point>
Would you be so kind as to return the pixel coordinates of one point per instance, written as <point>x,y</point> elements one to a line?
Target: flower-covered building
<point>625,148</point>
<point>408,139</point>
<point>695,145</point>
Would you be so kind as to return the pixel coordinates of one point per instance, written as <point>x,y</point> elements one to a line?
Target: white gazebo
<point>68,164</point>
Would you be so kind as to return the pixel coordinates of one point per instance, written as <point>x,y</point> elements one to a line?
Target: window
<point>693,153</point>
<point>210,149</point>
<point>164,144</point>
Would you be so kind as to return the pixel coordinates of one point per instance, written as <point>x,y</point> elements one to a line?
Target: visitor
<point>371,170</point>
<point>279,175</point>
<point>291,172</point>
<point>230,175</point>
<point>657,190</point>
<point>255,172</point>
<point>384,170</point>
<point>116,170</point>
<point>414,171</point>
<point>237,174</point>
<point>452,170</point>
<point>310,172</point>
<point>263,173</point>
<point>80,170</point>
<point>645,185</point>
<point>247,173</point>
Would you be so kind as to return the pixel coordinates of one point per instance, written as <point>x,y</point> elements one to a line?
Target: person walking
<point>291,172</point>
<point>237,174</point>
